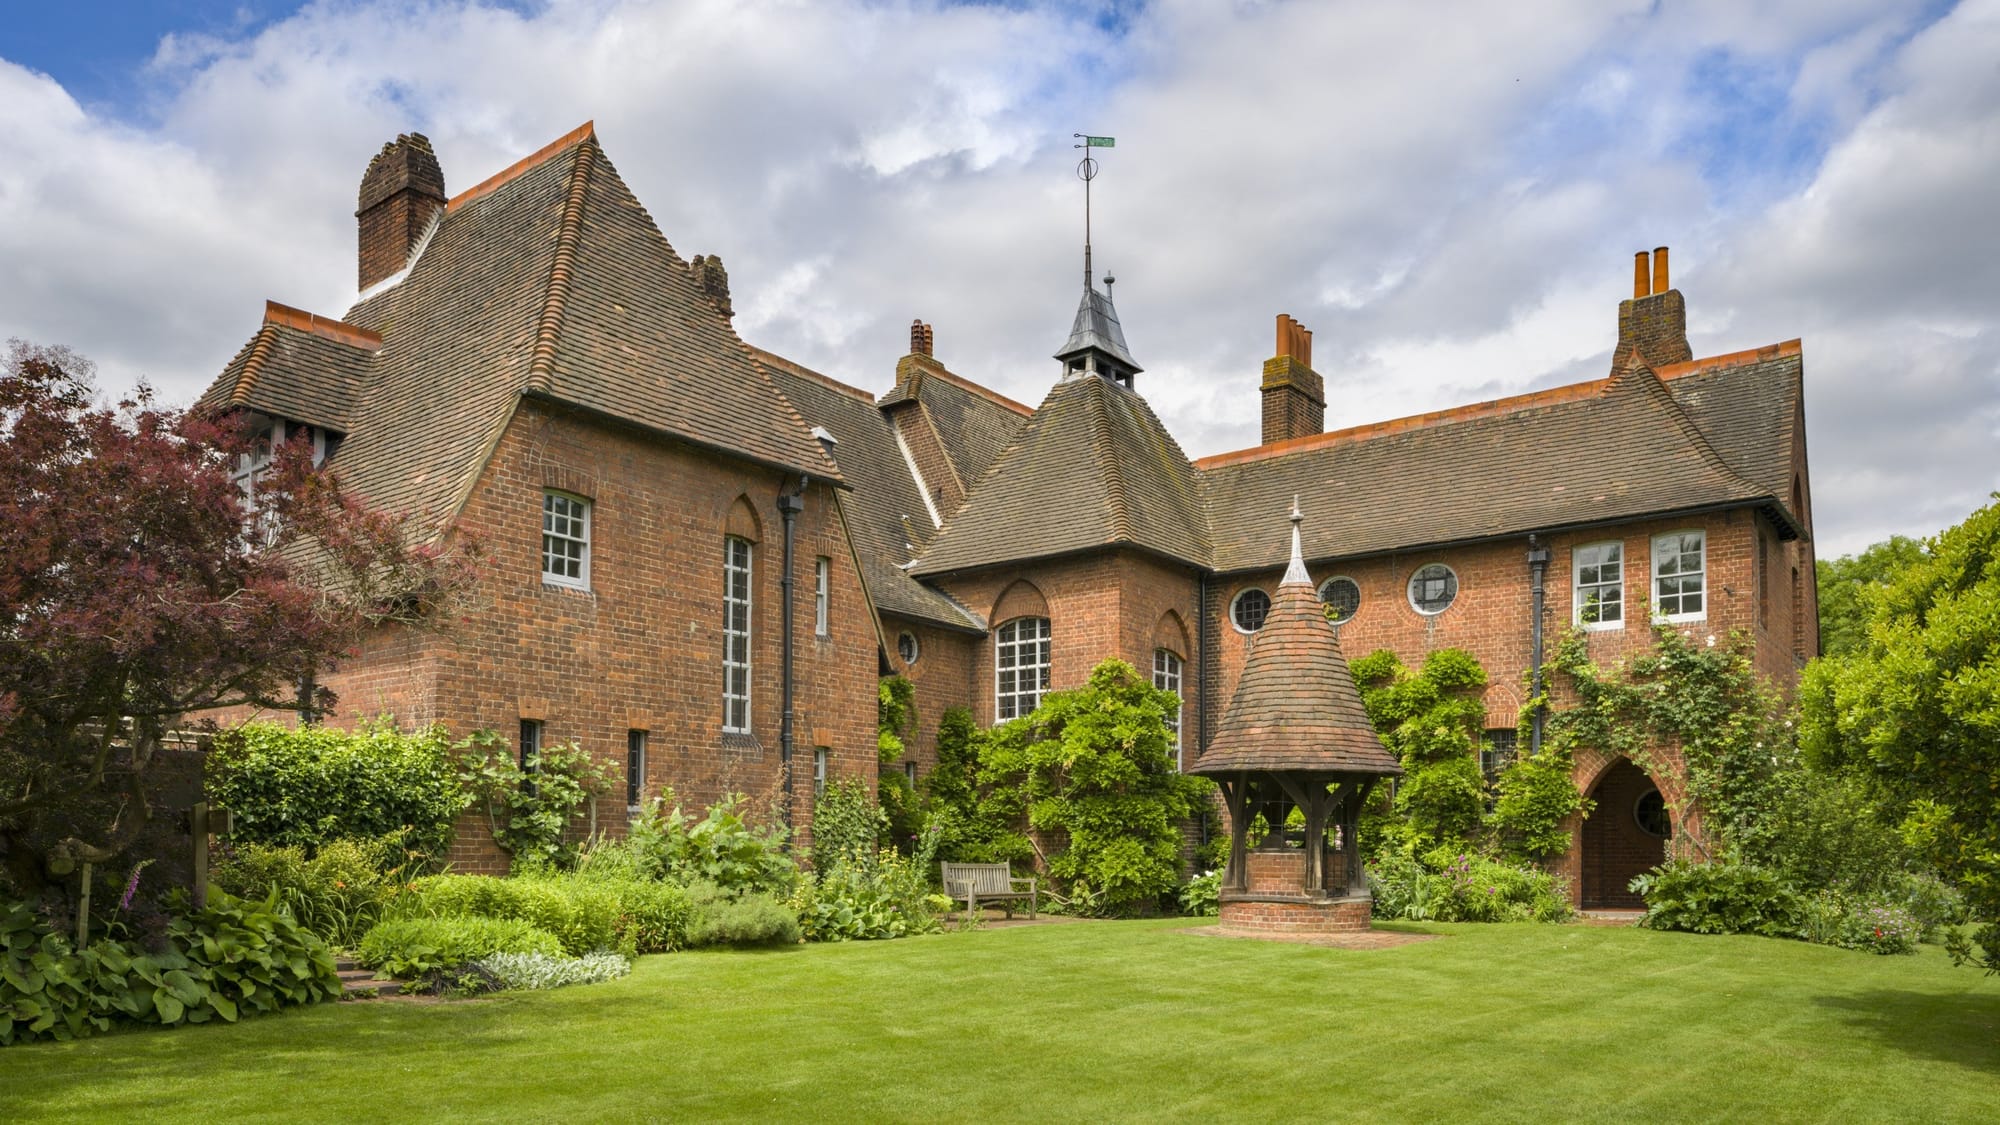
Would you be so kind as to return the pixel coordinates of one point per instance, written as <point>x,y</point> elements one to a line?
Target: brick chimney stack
<point>922,339</point>
<point>1654,321</point>
<point>402,189</point>
<point>1294,394</point>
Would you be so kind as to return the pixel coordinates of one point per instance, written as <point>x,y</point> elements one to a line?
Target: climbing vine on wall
<point>1695,694</point>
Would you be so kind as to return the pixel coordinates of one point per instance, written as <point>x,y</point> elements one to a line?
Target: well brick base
<point>1326,916</point>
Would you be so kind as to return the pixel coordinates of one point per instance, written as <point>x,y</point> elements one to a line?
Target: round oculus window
<point>1341,597</point>
<point>1651,813</point>
<point>907,648</point>
<point>1249,610</point>
<point>1432,589</point>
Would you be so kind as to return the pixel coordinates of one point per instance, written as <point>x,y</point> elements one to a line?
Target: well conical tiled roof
<point>1296,706</point>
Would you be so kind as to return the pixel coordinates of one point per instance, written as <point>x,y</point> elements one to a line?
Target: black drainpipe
<point>790,504</point>
<point>1538,568</point>
<point>1201,665</point>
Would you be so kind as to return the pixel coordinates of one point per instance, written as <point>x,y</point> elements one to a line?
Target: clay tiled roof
<point>884,493</point>
<point>548,279</point>
<point>298,366</point>
<point>1609,450</point>
<point>973,423</point>
<point>1296,706</point>
<point>1748,405</point>
<point>1092,468</point>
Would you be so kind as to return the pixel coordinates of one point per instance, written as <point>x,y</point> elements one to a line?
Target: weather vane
<point>1086,170</point>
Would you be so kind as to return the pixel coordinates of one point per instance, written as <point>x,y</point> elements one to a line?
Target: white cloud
<point>1447,196</point>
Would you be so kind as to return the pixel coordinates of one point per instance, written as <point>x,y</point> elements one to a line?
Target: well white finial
<point>1296,572</point>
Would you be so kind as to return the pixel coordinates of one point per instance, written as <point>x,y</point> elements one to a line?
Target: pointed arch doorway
<point>1625,836</point>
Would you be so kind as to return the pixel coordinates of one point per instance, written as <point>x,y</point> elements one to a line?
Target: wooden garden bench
<point>975,881</point>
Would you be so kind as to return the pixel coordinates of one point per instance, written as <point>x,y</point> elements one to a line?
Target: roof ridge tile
<point>542,361</point>
<point>492,183</point>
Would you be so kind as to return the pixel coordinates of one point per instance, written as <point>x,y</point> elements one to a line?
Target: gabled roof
<point>1296,706</point>
<point>885,512</point>
<point>973,423</point>
<point>299,366</point>
<point>1096,327</point>
<point>1748,404</point>
<point>1607,450</point>
<point>549,280</point>
<point>1092,468</point>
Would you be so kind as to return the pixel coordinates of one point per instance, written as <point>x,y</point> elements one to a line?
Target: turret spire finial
<point>1296,572</point>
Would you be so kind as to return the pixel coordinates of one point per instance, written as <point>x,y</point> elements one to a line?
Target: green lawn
<point>1107,1021</point>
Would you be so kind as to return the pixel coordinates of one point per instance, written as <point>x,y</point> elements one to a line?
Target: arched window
<point>1020,666</point>
<point>736,635</point>
<point>1167,677</point>
<point>1341,597</point>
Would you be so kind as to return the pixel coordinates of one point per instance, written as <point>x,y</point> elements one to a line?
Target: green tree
<point>1916,708</point>
<point>1846,583</point>
<point>1430,719</point>
<point>1093,769</point>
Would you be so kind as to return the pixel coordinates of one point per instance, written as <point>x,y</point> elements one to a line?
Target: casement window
<point>1167,677</point>
<point>1341,597</point>
<point>822,595</point>
<point>1433,588</point>
<point>819,771</point>
<point>530,749</point>
<point>1598,573</point>
<point>1496,750</point>
<point>1680,576</point>
<point>565,540</point>
<point>1020,666</point>
<point>261,524</point>
<point>635,769</point>
<point>1248,611</point>
<point>736,635</point>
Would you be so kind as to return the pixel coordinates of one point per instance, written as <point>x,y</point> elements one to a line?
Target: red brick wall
<point>1099,606</point>
<point>642,649</point>
<point>1491,616</point>
<point>940,679</point>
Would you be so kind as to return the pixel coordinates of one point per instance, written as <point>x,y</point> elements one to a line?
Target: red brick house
<point>532,363</point>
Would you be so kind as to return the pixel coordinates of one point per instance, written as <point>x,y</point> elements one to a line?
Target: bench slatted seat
<point>975,881</point>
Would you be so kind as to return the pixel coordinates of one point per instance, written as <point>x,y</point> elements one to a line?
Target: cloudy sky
<point>1448,195</point>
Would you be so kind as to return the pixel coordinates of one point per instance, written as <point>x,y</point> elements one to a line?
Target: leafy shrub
<point>847,822</point>
<point>309,786</point>
<point>582,916</point>
<point>749,919</point>
<point>227,960</point>
<point>1429,718</point>
<point>865,901</point>
<point>1092,771</point>
<point>1201,896</point>
<point>1463,887</point>
<point>1877,927</point>
<point>1537,797</point>
<point>413,947</point>
<point>1719,898</point>
<point>538,970</point>
<point>1473,888</point>
<point>338,893</point>
<point>529,808</point>
<point>719,848</point>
